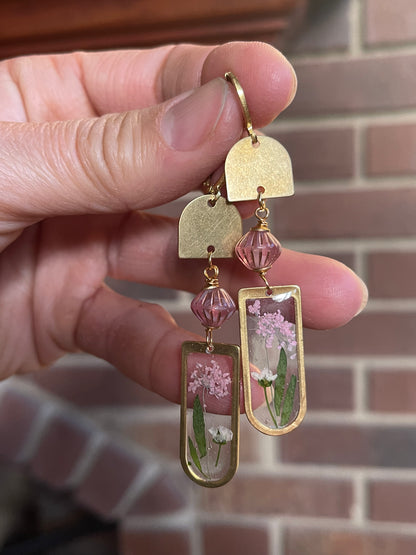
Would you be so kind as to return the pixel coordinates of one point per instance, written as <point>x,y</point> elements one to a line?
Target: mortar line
<point>360,390</point>
<point>356,29</point>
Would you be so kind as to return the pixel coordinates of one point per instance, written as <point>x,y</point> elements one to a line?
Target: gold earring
<point>257,168</point>
<point>210,395</point>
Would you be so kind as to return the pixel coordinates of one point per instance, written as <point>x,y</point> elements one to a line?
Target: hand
<point>88,140</point>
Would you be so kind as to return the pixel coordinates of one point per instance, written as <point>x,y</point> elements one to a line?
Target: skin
<point>87,143</point>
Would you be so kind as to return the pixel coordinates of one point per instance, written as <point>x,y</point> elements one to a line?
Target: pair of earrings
<point>270,316</point>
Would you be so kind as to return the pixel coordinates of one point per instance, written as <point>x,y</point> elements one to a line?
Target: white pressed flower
<point>221,434</point>
<point>265,377</point>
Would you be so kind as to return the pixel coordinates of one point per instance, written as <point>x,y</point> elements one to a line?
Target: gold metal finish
<point>259,293</point>
<point>233,351</point>
<point>242,97</point>
<point>214,188</point>
<point>204,224</point>
<point>265,164</point>
<point>210,345</point>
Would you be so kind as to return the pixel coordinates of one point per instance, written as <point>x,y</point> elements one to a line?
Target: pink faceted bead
<point>213,306</point>
<point>258,249</point>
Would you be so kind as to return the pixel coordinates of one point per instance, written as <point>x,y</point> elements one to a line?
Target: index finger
<point>121,81</point>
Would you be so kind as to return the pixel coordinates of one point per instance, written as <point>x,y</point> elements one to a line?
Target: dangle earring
<point>210,395</point>
<point>257,168</point>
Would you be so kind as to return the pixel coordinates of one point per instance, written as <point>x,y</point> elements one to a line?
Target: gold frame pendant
<point>272,358</point>
<point>209,441</point>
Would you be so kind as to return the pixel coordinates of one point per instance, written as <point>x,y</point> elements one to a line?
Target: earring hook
<point>231,78</point>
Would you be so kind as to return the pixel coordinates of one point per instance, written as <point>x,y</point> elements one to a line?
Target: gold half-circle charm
<point>206,222</point>
<point>263,164</point>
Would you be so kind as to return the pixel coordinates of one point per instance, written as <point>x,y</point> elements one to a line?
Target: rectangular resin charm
<point>272,358</point>
<point>210,412</point>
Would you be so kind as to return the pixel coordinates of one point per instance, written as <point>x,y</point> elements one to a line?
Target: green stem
<point>268,406</point>
<point>218,454</point>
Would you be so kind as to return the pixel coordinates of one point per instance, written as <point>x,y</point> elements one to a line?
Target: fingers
<point>136,159</point>
<point>143,341</point>
<point>144,249</point>
<point>140,339</point>
<point>118,162</point>
<point>120,81</point>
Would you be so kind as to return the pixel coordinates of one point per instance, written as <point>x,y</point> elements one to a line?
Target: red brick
<point>390,22</point>
<point>280,495</point>
<point>320,153</point>
<point>108,479</point>
<point>59,450</point>
<point>347,214</point>
<point>358,85</point>
<point>154,542</point>
<point>392,391</point>
<point>391,274</point>
<point>220,539</point>
<point>347,542</point>
<point>391,150</point>
<point>329,389</point>
<point>87,386</point>
<point>351,445</point>
<point>165,495</point>
<point>392,501</point>
<point>18,414</point>
<point>162,438</point>
<point>327,28</point>
<point>370,333</point>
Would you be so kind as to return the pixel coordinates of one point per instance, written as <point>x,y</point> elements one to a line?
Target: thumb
<point>117,162</point>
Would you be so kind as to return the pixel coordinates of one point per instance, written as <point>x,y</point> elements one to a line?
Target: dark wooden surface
<point>34,26</point>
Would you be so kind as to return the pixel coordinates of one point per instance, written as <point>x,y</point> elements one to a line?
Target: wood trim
<point>30,26</point>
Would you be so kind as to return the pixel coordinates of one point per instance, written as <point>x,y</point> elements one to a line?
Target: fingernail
<point>364,300</point>
<point>193,116</point>
<point>290,75</point>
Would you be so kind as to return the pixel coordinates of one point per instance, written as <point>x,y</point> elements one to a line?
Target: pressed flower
<point>265,378</point>
<point>273,326</point>
<point>211,379</point>
<point>221,434</point>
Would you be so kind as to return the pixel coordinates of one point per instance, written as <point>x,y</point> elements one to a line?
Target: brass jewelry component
<point>295,366</point>
<point>205,470</point>
<point>267,164</point>
<point>242,97</point>
<point>204,223</point>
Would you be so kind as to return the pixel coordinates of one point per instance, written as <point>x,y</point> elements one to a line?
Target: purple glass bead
<point>258,249</point>
<point>213,306</point>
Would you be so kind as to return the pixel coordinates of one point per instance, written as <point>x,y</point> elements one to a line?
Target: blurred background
<point>89,460</point>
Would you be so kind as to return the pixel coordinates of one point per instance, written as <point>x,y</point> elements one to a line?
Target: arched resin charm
<point>272,358</point>
<point>210,411</point>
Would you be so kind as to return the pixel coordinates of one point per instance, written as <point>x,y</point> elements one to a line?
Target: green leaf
<point>279,384</point>
<point>288,403</point>
<point>199,427</point>
<point>194,455</point>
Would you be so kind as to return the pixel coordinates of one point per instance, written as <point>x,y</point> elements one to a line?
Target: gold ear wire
<point>230,77</point>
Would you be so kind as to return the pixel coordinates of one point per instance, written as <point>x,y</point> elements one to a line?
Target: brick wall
<point>345,482</point>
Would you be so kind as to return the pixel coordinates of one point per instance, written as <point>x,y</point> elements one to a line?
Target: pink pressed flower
<point>211,379</point>
<point>254,308</point>
<point>271,326</point>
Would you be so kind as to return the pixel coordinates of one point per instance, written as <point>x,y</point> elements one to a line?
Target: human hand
<point>88,140</point>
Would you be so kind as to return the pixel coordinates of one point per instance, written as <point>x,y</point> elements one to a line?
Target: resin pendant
<point>210,411</point>
<point>272,357</point>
